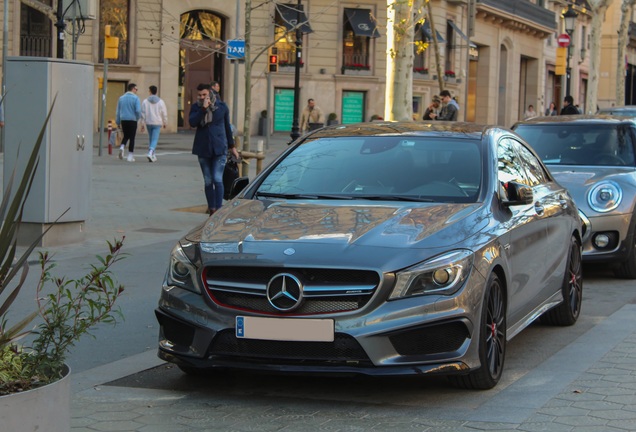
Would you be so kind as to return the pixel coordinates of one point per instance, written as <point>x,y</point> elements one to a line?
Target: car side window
<point>534,170</point>
<point>509,164</point>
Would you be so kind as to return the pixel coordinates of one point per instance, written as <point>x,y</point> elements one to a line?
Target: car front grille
<point>344,349</point>
<point>324,290</point>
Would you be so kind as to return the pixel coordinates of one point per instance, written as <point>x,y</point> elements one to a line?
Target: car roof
<point>574,119</point>
<point>439,128</point>
<point>618,108</point>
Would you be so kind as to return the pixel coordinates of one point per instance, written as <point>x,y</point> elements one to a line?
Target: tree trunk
<point>598,8</point>
<point>248,77</point>
<point>626,13</point>
<point>402,16</point>
<point>438,59</point>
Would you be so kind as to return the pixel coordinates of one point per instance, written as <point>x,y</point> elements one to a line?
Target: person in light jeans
<point>212,141</point>
<point>154,116</point>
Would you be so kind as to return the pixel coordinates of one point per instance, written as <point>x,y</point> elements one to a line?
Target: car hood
<point>388,225</point>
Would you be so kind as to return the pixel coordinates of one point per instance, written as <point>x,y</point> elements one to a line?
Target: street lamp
<point>295,132</point>
<point>569,17</point>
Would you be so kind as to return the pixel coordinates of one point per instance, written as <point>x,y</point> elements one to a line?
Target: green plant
<point>264,114</point>
<point>332,117</point>
<point>67,312</point>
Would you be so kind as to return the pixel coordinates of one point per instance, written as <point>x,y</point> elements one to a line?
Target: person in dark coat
<point>568,106</point>
<point>213,137</point>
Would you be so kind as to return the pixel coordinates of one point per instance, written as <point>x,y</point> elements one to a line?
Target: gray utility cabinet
<point>63,177</point>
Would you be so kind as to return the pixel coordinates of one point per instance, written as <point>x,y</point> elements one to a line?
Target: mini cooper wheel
<point>569,310</point>
<point>492,341</point>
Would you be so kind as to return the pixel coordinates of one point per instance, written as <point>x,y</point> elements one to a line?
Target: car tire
<point>627,269</point>
<point>566,313</point>
<point>492,341</point>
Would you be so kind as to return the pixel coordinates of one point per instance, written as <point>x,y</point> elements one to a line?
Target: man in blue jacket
<point>211,116</point>
<point>128,113</point>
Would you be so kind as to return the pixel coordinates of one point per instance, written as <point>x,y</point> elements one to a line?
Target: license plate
<point>285,329</point>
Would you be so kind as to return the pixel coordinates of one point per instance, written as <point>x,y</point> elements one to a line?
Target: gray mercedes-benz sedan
<point>379,248</point>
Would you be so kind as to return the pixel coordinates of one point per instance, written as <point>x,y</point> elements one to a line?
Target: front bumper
<point>423,335</point>
<point>617,227</point>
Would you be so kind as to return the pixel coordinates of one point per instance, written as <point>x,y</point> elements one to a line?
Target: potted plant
<point>34,385</point>
<point>420,71</point>
<point>332,119</point>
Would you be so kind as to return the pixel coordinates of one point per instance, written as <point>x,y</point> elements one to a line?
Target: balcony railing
<point>524,9</point>
<point>35,46</point>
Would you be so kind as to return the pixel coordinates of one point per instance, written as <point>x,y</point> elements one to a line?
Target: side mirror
<point>514,193</point>
<point>238,185</point>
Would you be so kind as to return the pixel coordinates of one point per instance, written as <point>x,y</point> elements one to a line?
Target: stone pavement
<point>594,392</point>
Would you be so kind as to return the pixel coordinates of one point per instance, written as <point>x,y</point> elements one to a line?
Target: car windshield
<point>427,169</point>
<point>580,144</point>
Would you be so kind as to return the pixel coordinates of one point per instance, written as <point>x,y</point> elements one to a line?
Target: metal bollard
<point>110,130</point>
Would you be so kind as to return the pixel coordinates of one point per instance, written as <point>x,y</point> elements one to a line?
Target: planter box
<point>46,408</point>
<point>420,75</point>
<point>360,72</point>
<point>450,80</point>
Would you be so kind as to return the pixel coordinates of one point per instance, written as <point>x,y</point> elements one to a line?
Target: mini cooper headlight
<point>444,274</point>
<point>605,196</point>
<point>182,272</point>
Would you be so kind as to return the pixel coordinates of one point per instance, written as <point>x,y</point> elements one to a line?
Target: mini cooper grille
<point>325,290</point>
<point>344,348</point>
<point>441,338</point>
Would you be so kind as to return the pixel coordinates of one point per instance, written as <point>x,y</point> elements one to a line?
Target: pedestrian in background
<point>568,106</point>
<point>311,117</point>
<point>212,140</point>
<point>530,112</point>
<point>128,114</point>
<point>433,108</point>
<point>154,116</point>
<point>551,110</point>
<point>450,108</point>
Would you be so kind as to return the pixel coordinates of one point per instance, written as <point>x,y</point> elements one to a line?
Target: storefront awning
<point>460,33</point>
<point>289,15</point>
<point>426,31</point>
<point>362,23</point>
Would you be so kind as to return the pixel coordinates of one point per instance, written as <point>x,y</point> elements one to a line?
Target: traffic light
<point>561,54</point>
<point>111,44</point>
<point>273,60</point>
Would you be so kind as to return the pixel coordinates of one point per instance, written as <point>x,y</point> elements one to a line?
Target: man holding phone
<point>213,137</point>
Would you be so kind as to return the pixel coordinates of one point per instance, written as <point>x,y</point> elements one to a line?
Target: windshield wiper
<point>394,198</point>
<point>301,196</point>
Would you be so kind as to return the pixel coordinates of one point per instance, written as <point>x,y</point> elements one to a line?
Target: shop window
<point>285,25</point>
<point>359,29</point>
<point>35,32</point>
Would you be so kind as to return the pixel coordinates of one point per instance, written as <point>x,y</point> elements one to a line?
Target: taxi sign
<point>235,49</point>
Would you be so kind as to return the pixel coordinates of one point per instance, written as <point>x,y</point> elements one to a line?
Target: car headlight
<point>444,274</point>
<point>182,272</point>
<point>605,196</point>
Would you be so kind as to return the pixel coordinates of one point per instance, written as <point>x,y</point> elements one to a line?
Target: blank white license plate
<point>285,329</point>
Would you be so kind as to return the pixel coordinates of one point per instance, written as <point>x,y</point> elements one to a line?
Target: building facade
<point>495,71</point>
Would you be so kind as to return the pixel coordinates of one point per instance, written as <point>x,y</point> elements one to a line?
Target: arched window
<point>115,13</point>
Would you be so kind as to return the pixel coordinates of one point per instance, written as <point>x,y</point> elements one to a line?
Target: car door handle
<point>538,207</point>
